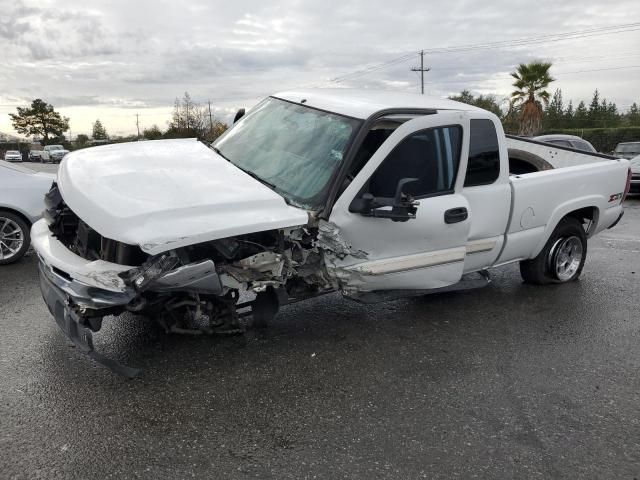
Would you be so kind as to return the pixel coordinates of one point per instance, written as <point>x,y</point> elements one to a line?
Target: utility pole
<point>421,69</point>
<point>210,118</point>
<point>138,125</point>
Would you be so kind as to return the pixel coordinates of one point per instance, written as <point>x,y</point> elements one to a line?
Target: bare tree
<point>189,119</point>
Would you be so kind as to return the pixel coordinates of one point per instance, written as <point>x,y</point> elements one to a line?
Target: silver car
<point>12,156</point>
<point>21,203</point>
<point>627,150</point>
<point>569,141</point>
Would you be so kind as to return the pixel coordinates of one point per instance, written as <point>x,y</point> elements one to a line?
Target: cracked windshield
<point>296,149</point>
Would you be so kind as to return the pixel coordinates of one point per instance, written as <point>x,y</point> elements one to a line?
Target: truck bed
<point>541,199</point>
<point>554,156</point>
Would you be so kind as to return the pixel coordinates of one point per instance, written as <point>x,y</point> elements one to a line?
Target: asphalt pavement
<point>41,167</point>
<point>509,381</point>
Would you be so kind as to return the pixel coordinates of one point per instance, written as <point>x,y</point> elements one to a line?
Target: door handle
<point>455,215</point>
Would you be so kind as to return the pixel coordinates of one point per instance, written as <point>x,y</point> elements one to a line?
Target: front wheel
<point>562,258</point>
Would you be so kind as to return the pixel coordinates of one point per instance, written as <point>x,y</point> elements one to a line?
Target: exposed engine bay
<point>201,288</point>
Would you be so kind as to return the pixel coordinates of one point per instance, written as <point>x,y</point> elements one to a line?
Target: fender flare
<point>564,209</point>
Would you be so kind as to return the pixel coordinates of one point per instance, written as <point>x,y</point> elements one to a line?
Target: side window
<point>432,156</point>
<point>484,155</point>
<point>562,143</point>
<point>584,146</point>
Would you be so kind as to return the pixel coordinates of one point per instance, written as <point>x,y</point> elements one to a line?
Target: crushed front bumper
<point>64,297</point>
<point>79,292</point>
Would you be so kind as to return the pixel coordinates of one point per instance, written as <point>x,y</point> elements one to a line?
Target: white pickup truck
<point>53,154</point>
<point>373,194</point>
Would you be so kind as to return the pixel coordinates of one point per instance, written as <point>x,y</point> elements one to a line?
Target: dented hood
<point>166,194</point>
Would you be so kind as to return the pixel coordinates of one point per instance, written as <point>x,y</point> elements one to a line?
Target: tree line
<point>188,120</point>
<point>529,110</point>
<point>532,109</point>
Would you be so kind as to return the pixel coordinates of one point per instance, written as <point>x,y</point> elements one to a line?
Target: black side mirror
<point>403,206</point>
<point>239,114</point>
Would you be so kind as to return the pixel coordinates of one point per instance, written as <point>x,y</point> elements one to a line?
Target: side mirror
<point>239,114</point>
<point>403,206</point>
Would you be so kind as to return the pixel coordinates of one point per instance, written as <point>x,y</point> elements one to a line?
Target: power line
<point>621,67</point>
<point>550,38</point>
<point>631,27</point>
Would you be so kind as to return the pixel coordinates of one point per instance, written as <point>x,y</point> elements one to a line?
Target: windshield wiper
<point>261,180</point>
<point>248,172</point>
<point>217,150</point>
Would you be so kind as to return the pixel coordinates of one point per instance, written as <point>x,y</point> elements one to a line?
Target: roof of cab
<point>362,103</point>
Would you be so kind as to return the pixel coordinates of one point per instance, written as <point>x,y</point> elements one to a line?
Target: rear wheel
<point>14,237</point>
<point>562,258</point>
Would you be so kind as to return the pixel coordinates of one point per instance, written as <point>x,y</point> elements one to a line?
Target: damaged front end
<point>205,288</point>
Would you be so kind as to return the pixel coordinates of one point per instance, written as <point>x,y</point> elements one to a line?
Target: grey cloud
<point>50,32</point>
<point>142,54</point>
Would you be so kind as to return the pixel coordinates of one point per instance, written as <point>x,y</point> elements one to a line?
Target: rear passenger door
<point>487,189</point>
<point>419,253</point>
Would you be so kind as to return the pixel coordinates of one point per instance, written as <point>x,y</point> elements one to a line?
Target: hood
<point>166,194</point>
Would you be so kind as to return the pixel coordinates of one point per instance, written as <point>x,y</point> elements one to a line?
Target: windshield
<point>13,152</point>
<point>295,149</point>
<point>628,148</point>
<point>56,147</point>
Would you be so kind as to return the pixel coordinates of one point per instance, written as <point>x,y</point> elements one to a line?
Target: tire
<point>265,307</point>
<point>13,244</point>
<point>562,258</point>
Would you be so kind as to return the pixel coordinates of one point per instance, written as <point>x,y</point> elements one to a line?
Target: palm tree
<point>532,79</point>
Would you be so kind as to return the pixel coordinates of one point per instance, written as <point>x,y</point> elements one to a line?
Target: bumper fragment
<point>57,293</point>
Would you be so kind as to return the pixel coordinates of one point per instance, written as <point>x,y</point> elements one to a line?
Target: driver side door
<point>419,252</point>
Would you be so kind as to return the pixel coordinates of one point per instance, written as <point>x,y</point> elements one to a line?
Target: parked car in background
<point>21,204</point>
<point>627,150</point>
<point>35,155</point>
<point>53,153</point>
<point>570,141</point>
<point>634,187</point>
<point>12,156</point>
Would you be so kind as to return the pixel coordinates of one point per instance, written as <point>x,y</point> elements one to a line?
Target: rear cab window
<point>483,167</point>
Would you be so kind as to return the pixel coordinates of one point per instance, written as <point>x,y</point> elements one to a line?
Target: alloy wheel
<point>11,238</point>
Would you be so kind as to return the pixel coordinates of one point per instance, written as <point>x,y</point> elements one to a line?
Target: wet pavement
<point>41,167</point>
<point>510,381</point>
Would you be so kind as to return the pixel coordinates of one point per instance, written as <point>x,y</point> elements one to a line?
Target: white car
<point>373,194</point>
<point>53,153</point>
<point>21,204</point>
<point>12,156</point>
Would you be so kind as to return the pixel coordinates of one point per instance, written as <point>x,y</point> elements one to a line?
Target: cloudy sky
<point>112,59</point>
